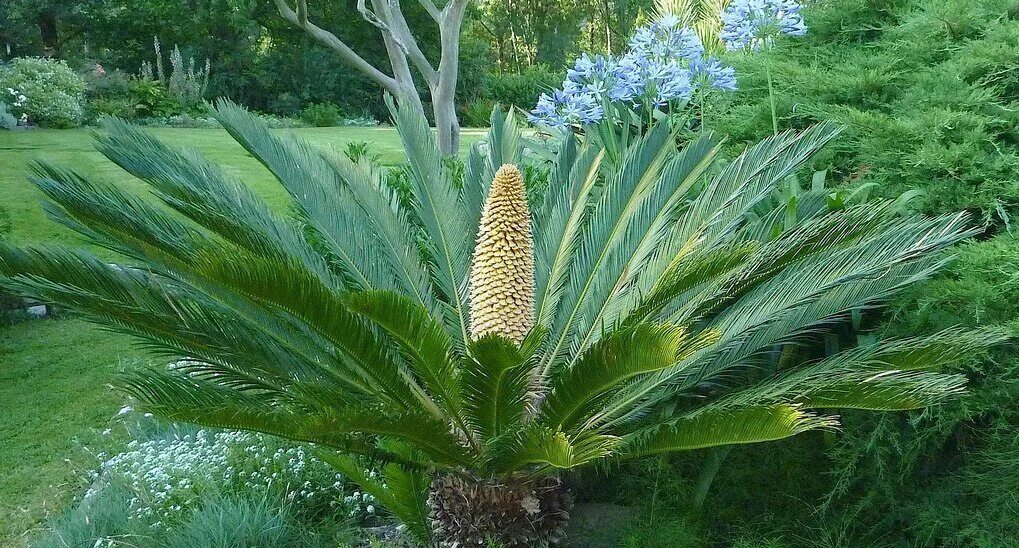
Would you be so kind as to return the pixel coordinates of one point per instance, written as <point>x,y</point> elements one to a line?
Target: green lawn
<point>55,400</point>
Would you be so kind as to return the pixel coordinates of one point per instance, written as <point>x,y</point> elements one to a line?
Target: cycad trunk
<point>512,512</point>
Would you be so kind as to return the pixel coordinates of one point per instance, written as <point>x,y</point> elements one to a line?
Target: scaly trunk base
<point>510,513</point>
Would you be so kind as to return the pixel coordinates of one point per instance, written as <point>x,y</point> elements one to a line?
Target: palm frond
<point>550,448</point>
<point>113,218</point>
<point>621,355</point>
<point>495,386</point>
<point>630,268</point>
<point>338,202</point>
<point>399,489</point>
<point>181,398</point>
<point>624,191</point>
<point>439,208</point>
<point>565,213</point>
<point>201,191</point>
<point>715,426</point>
<point>425,343</point>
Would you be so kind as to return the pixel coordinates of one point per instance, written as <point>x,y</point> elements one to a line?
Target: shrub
<point>521,89</point>
<point>49,92</point>
<point>152,100</point>
<point>121,108</point>
<point>321,114</point>
<point>476,113</point>
<point>168,477</point>
<point>110,94</point>
<point>7,120</point>
<point>925,88</point>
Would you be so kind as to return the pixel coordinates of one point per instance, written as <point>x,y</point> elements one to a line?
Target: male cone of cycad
<point>502,271</point>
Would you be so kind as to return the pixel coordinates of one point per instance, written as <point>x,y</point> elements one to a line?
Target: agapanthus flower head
<point>666,38</point>
<point>750,24</point>
<point>664,63</point>
<point>563,108</point>
<point>710,73</point>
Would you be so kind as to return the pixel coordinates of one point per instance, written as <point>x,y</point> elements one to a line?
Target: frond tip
<point>502,273</point>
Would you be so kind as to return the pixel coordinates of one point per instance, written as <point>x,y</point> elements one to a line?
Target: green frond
<point>723,204</point>
<point>495,381</point>
<point>619,356</point>
<point>620,202</point>
<point>882,391</point>
<point>338,202</point>
<point>293,291</point>
<point>201,191</point>
<point>632,265</point>
<point>113,218</point>
<point>181,398</point>
<point>438,206</point>
<point>401,490</point>
<point>897,243</point>
<point>176,320</point>
<point>699,268</point>
<point>550,448</point>
<point>715,426</point>
<point>424,342</point>
<point>894,374</point>
<point>565,211</point>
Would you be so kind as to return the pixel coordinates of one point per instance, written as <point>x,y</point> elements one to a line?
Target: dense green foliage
<point>926,90</point>
<point>49,92</point>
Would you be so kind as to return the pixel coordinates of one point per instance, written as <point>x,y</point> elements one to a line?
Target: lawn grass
<point>54,374</point>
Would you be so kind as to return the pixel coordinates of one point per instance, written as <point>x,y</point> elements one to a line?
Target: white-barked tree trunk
<point>405,57</point>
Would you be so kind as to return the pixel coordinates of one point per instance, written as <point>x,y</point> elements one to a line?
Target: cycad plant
<point>621,310</point>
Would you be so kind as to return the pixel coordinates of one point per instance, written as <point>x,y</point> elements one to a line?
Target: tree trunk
<point>510,512</point>
<point>447,127</point>
<point>47,22</point>
<point>404,53</point>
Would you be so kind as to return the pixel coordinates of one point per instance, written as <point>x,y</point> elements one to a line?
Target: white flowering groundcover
<point>170,477</point>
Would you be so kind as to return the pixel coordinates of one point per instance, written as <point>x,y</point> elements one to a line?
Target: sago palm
<point>620,310</point>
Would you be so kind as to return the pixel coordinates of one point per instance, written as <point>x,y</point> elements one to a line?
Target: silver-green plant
<point>7,120</point>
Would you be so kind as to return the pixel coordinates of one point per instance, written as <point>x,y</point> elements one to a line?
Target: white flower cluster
<point>168,478</point>
<point>19,99</point>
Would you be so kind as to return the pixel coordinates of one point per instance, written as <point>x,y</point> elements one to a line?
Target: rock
<point>37,311</point>
<point>597,525</point>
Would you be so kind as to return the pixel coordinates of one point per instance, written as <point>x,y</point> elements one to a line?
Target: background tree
<point>404,53</point>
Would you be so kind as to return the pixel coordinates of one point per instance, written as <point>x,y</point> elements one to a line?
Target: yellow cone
<point>502,273</point>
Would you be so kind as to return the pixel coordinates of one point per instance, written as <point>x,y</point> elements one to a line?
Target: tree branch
<point>413,51</point>
<point>432,10</point>
<point>299,18</point>
<point>394,27</point>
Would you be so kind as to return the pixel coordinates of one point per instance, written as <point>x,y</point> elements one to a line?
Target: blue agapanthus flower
<point>709,72</point>
<point>749,24</point>
<point>561,109</point>
<point>666,39</point>
<point>664,63</point>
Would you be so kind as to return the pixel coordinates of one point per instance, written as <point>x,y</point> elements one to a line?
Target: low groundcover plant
<point>631,307</point>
